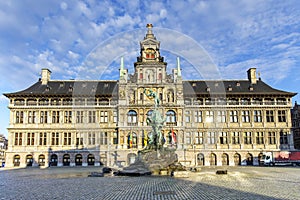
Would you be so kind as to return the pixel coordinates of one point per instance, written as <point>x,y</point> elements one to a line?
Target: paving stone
<point>73,183</point>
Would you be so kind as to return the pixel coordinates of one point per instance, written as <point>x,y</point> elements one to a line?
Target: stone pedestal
<point>156,162</point>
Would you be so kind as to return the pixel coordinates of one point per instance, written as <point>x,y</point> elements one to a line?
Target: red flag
<point>130,140</point>
<point>173,136</point>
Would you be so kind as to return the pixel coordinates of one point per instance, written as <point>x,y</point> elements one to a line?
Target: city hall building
<point>99,122</point>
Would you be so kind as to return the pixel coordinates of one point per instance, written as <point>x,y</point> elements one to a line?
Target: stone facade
<point>215,122</point>
<point>3,147</point>
<point>296,125</point>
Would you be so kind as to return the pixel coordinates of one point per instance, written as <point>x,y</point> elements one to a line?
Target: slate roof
<point>69,88</point>
<point>231,87</point>
<point>108,88</point>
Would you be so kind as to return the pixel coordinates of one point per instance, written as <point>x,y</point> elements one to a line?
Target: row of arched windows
<point>54,160</point>
<point>132,116</point>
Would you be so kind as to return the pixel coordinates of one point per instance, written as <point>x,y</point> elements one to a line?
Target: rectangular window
<point>257,116</point>
<point>18,139</point>
<point>103,116</point>
<point>188,138</point>
<point>235,138</point>
<point>233,116</point>
<point>30,139</point>
<point>31,117</point>
<point>116,138</point>
<point>245,116</point>
<point>55,139</point>
<point>198,116</point>
<point>283,138</point>
<point>92,116</point>
<point>247,138</point>
<point>115,116</point>
<point>223,138</point>
<point>198,138</point>
<point>67,138</point>
<point>55,116</point>
<point>43,139</point>
<point>209,116</point>
<point>103,138</point>
<point>281,116</point>
<point>187,116</point>
<point>269,116</point>
<point>272,137</point>
<point>79,138</point>
<point>68,116</point>
<point>79,117</point>
<point>43,117</point>
<point>259,138</point>
<point>19,117</point>
<point>221,116</point>
<point>92,138</point>
<point>211,137</point>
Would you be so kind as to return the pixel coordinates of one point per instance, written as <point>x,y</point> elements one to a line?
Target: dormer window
<point>194,84</point>
<point>229,88</point>
<point>208,89</point>
<point>238,84</point>
<point>70,89</point>
<point>251,88</point>
<point>61,84</point>
<point>47,89</point>
<point>216,84</point>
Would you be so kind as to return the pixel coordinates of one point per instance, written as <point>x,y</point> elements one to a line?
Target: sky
<point>85,40</point>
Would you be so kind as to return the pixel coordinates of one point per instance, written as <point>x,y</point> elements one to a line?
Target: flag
<point>130,140</point>
<point>145,140</point>
<point>173,136</point>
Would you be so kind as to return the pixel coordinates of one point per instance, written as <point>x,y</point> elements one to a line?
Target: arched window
<point>132,118</point>
<point>213,159</point>
<point>66,160</point>
<point>132,140</point>
<point>78,160</point>
<point>16,160</point>
<point>237,159</point>
<point>29,160</point>
<point>53,160</point>
<point>149,113</point>
<point>42,160</point>
<point>91,159</point>
<point>171,117</point>
<point>200,159</point>
<point>225,159</point>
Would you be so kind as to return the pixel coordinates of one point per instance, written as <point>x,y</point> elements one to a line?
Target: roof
<point>69,88</point>
<point>230,87</point>
<point>190,87</point>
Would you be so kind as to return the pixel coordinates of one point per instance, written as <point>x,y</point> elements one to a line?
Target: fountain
<point>155,158</point>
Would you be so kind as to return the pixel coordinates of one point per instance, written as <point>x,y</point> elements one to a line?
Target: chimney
<point>252,75</point>
<point>45,76</point>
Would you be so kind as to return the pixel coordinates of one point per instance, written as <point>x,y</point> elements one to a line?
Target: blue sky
<point>63,35</point>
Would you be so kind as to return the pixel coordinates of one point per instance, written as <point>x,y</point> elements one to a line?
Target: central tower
<point>150,67</point>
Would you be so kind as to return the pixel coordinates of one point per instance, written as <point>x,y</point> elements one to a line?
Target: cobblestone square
<point>74,183</point>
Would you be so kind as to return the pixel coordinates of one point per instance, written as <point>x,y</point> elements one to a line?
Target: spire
<point>149,31</point>
<point>178,67</point>
<point>122,67</point>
